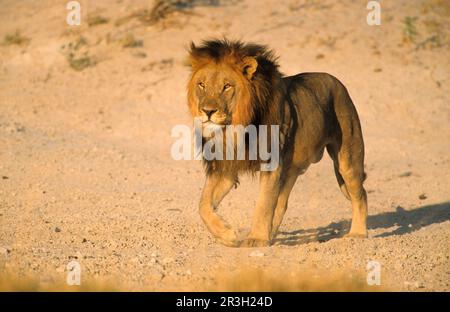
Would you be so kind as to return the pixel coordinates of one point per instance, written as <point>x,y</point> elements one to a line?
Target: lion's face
<point>219,93</point>
<point>216,89</point>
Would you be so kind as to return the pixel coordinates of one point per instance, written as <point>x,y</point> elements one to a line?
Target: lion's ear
<point>191,60</point>
<point>250,64</point>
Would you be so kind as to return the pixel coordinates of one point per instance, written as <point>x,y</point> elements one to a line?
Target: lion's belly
<point>309,146</point>
<point>305,156</point>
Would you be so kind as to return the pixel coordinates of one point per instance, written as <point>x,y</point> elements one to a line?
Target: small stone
<point>57,229</point>
<point>4,251</point>
<point>158,275</point>
<point>84,240</point>
<point>405,174</point>
<point>20,128</point>
<point>422,196</point>
<point>256,253</point>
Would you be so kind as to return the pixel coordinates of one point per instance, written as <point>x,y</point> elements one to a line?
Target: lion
<point>236,83</point>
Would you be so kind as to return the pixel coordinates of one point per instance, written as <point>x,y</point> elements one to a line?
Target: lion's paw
<point>355,235</point>
<point>228,243</point>
<point>228,238</point>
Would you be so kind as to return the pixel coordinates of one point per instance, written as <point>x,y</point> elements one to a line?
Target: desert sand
<point>86,174</point>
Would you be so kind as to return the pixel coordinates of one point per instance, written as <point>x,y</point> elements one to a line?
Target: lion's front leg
<point>215,189</point>
<point>260,234</point>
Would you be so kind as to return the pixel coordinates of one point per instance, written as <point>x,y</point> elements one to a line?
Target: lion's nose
<point>209,111</point>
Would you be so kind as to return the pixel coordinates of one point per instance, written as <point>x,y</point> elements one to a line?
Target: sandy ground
<point>85,165</point>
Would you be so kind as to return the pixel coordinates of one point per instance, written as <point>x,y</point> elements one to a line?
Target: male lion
<point>234,83</point>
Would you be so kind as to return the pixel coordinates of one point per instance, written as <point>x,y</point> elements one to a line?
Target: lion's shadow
<point>403,220</point>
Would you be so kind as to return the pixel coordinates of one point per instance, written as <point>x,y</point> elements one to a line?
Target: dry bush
<point>162,8</point>
<point>14,282</point>
<point>242,280</point>
<point>255,280</point>
<point>77,54</point>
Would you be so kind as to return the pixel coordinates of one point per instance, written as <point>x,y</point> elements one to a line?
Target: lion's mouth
<point>212,124</point>
<point>211,129</point>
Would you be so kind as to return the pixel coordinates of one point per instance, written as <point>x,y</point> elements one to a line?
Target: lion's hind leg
<point>352,171</point>
<point>358,197</point>
<point>349,170</point>
<point>288,183</point>
<point>348,150</point>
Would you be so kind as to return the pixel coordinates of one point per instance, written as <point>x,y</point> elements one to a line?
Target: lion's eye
<point>201,85</point>
<point>227,87</point>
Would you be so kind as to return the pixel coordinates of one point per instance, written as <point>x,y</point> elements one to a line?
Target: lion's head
<point>231,82</point>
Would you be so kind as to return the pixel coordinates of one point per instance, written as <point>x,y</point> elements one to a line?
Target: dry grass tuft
<point>15,38</point>
<point>94,20</point>
<point>80,63</point>
<point>410,29</point>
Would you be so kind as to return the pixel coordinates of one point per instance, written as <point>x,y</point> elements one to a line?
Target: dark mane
<point>218,49</point>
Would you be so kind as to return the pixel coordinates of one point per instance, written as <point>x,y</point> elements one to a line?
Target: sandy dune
<point>86,114</point>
